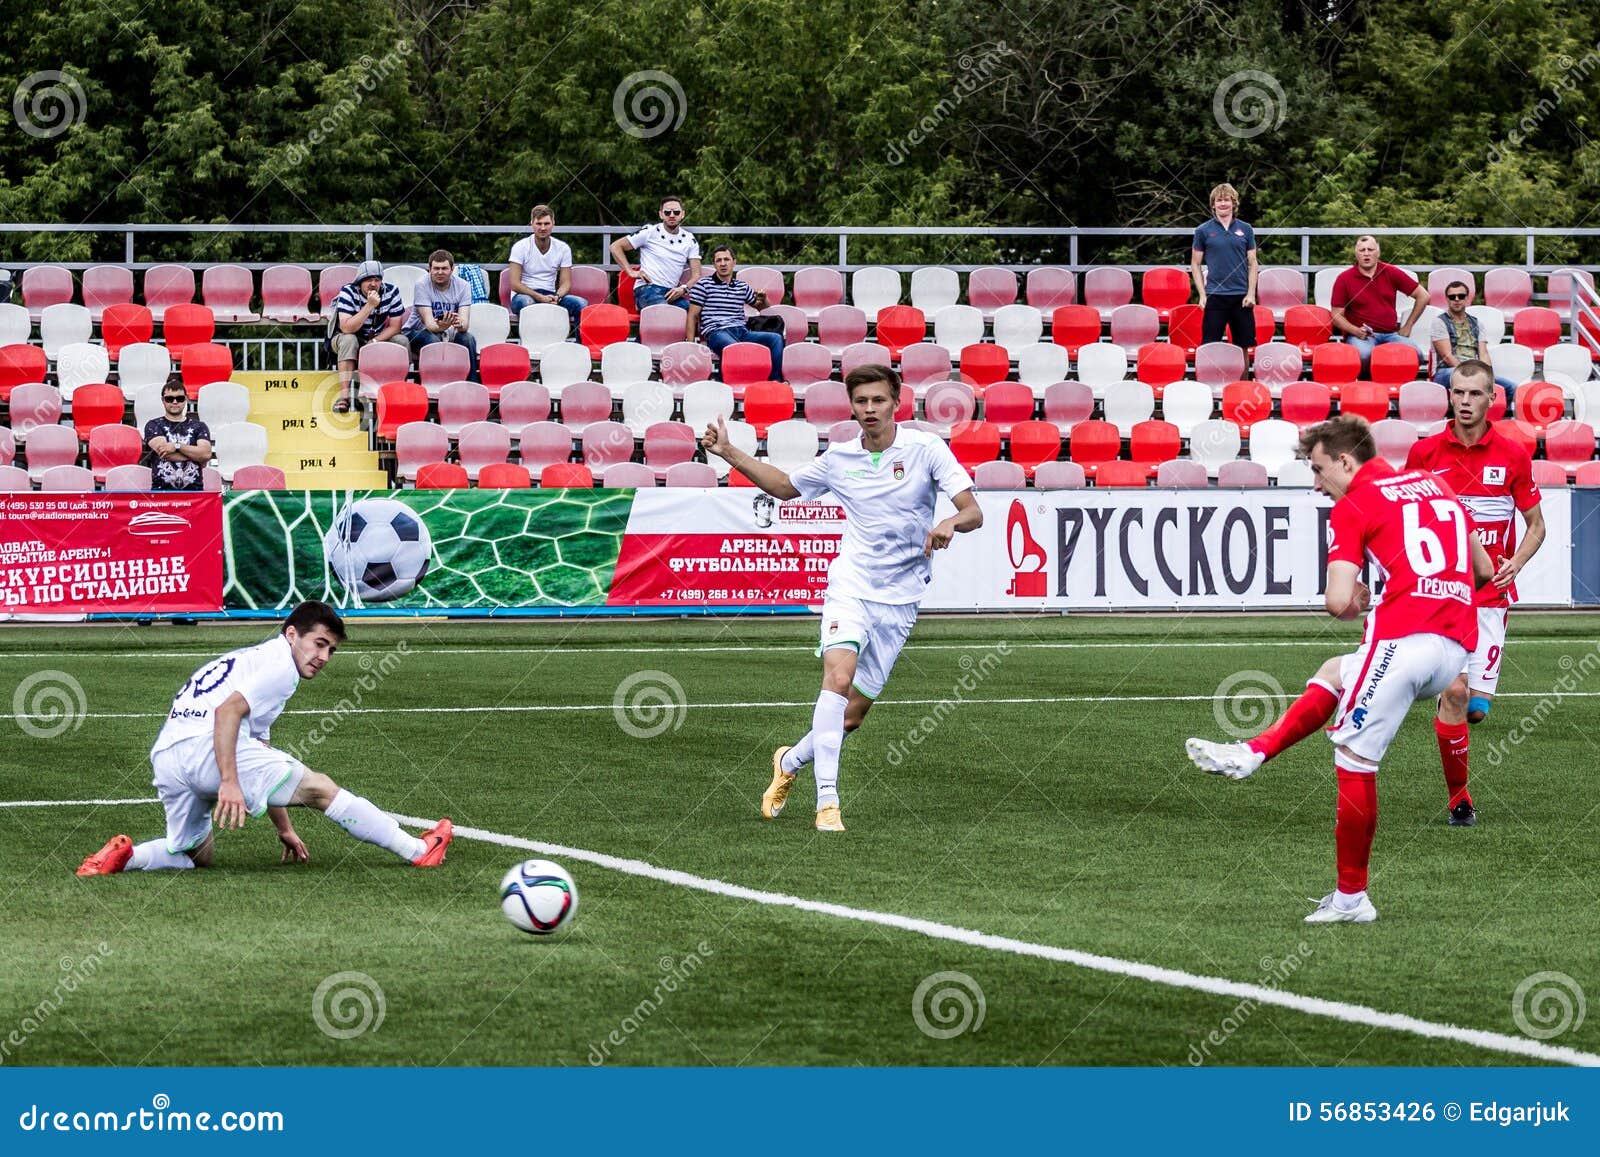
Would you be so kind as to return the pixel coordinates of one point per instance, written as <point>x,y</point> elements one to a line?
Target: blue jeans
<point>572,304</point>
<point>648,293</point>
<point>422,337</point>
<point>1364,347</point>
<point>1442,377</point>
<point>721,339</point>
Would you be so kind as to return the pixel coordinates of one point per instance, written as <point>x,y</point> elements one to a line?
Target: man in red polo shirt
<point>1364,302</point>
<point>1493,477</point>
<point>1412,528</point>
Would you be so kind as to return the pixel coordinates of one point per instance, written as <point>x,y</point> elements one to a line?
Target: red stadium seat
<point>990,287</point>
<point>1068,403</point>
<point>660,325</point>
<point>1369,400</point>
<point>502,363</point>
<point>185,324</point>
<point>51,446</point>
<point>1165,288</point>
<point>1588,475</point>
<point>1569,444</point>
<point>442,476</point>
<point>96,404</point>
<point>1133,326</point>
<point>1154,442</point>
<point>744,362</point>
<point>1093,442</point>
<point>1186,329</point>
<point>522,403</point>
<point>1277,363</point>
<point>605,444</point>
<point>1537,328</point>
<point>124,325</point>
<point>625,298</point>
<point>481,444</point>
<point>441,362</point>
<point>259,478</point>
<point>1540,404</point>
<point>1107,287</point>
<point>825,404</point>
<point>228,290</point>
<point>1241,474</point>
<point>1219,362</point>
<point>1246,403</point>
<point>566,475</point>
<point>20,365</point>
<point>286,294</point>
<point>1033,444</point>
<point>975,442</point>
<point>1121,474</point>
<point>167,285</point>
<point>601,325</point>
<point>1160,364</point>
<point>1394,364</point>
<point>668,444</point>
<point>504,476</point>
<point>1075,326</point>
<point>862,353</point>
<point>766,403</point>
<point>1305,403</point>
<point>920,365</point>
<point>840,326</point>
<point>1007,403</point>
<point>1050,286</point>
<point>418,443</point>
<point>330,281</point>
<point>1507,289</point>
<point>66,479</point>
<point>1548,473</point>
<point>816,288</point>
<point>44,285</point>
<point>1307,326</point>
<point>589,282</point>
<point>399,403</point>
<point>105,286</point>
<point>1334,363</point>
<point>111,445</point>
<point>203,364</point>
<point>1519,433</point>
<point>379,362</point>
<point>900,326</point>
<point>805,363</point>
<point>982,365</point>
<point>33,405</point>
<point>764,279</point>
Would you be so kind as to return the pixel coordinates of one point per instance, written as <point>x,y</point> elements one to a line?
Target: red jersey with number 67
<point>1493,479</point>
<point>1411,528</point>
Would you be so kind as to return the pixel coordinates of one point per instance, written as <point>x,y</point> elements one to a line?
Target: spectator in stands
<point>716,311</point>
<point>368,309</point>
<point>1456,339</point>
<point>1364,300</point>
<point>665,250</point>
<point>178,446</point>
<point>1227,291</point>
<point>442,304</point>
<point>541,269</point>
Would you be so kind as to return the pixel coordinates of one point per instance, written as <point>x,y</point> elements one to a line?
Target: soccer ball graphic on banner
<point>538,896</point>
<point>378,548</point>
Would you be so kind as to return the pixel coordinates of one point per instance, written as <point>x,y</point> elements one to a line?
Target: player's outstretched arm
<point>1347,596</point>
<point>230,811</point>
<point>294,848</point>
<point>968,517</point>
<point>765,475</point>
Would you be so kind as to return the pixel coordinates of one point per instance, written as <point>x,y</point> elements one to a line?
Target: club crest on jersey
<point>1494,475</point>
<point>899,471</point>
<point>833,627</point>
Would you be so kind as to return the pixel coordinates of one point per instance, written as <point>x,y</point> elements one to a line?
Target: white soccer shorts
<point>187,779</point>
<point>1483,665</point>
<point>1381,682</point>
<point>876,630</point>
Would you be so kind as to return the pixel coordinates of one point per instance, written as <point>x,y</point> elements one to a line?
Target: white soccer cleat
<point>1234,760</point>
<point>1329,913</point>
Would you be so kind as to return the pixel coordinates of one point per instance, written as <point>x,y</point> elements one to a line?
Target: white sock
<point>1346,901</point>
<point>802,753</point>
<point>152,856</point>
<point>366,821</point>
<point>827,737</point>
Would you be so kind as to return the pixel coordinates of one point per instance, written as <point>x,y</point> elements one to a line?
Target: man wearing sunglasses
<point>1457,338</point>
<point>665,250</point>
<point>179,445</point>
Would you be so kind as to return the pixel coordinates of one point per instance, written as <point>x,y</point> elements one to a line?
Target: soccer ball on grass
<point>538,896</point>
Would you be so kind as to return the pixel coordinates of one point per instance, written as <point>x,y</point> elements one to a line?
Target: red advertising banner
<point>122,553</point>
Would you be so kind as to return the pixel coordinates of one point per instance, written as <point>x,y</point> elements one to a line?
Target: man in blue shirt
<point>716,312</point>
<point>1226,247</point>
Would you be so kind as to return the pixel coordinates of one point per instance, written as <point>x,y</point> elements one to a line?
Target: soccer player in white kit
<point>212,762</point>
<point>887,481</point>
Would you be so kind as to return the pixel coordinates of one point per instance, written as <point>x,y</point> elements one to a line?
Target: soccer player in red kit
<point>1417,638</point>
<point>1493,478</point>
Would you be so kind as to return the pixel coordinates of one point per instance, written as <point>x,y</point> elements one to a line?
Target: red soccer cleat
<point>436,841</point>
<point>111,858</point>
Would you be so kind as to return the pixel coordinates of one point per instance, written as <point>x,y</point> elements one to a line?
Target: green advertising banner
<point>423,549</point>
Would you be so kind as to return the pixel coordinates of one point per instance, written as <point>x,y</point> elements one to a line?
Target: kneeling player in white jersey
<point>887,481</point>
<point>1417,638</point>
<point>210,767</point>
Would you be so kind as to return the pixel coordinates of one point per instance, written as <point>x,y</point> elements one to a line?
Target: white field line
<point>526,708</point>
<point>1170,977</point>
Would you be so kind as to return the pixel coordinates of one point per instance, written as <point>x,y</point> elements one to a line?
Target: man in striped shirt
<point>368,309</point>
<point>716,312</point>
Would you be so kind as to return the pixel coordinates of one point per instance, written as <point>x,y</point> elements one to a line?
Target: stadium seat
<point>1438,279</point>
<point>667,444</point>
<point>210,481</point>
<point>764,279</point>
<point>1569,360</point>
<point>462,403</point>
<point>1033,444</point>
<point>1540,404</point>
<point>124,325</point>
<point>186,324</point>
<point>1274,442</point>
<point>113,444</point>
<point>61,325</point>
<point>166,286</point>
<point>49,446</point>
<point>1093,442</point>
<point>1164,288</point>
<point>705,402</point>
<point>628,476</point>
<point>142,364</point>
<point>1558,288</point>
<point>624,363</point>
<point>1213,442</point>
<point>862,353</point>
<point>1569,444</point>
<point>1181,474</point>
<point>875,289</point>
<point>839,327</point>
<point>1334,364</point>
<point>147,405</point>
<point>1307,326</point>
<point>1537,328</point>
<point>1107,287</point>
<point>1186,329</point>
<point>504,476</point>
<point>900,327</point>
<point>1102,365</point>
<point>543,443</point>
<point>523,402</point>
<point>286,297</point>
<point>920,364</point>
<point>96,404</point>
<point>1393,365</point>
<point>1122,474</point>
<point>991,288</point>
<point>105,286</point>
<point>44,286</point>
<point>744,362</point>
<point>1017,328</point>
<point>1266,326</point>
<point>1491,324</point>
<point>404,278</point>
<point>33,405</point>
<point>500,364</point>
<point>16,327</point>
<point>583,404</point>
<point>1295,472</point>
<point>1068,403</point>
<point>743,436</point>
<point>563,365</point>
<point>659,326</point>
<point>1160,364</point>
<point>201,364</point>
<point>418,443</point>
<point>697,475</point>
<point>589,282</point>
<point>1507,289</point>
<point>1219,362</point>
<point>238,444</point>
<point>66,479</point>
<point>791,444</point>
<point>259,478</point>
<point>377,363</point>
<point>1041,364</point>
<point>1075,326</point>
<point>1152,442</point>
<point>1511,360</point>
<point>8,445</point>
<point>1186,403</point>
<point>957,326</point>
<point>1007,403</point>
<point>825,404</point>
<point>1520,433</point>
<point>489,323</point>
<point>442,476</point>
<point>1242,474</point>
<point>1280,288</point>
<point>975,442</point>
<point>1588,474</point>
<point>815,288</point>
<point>601,325</point>
<point>983,365</point>
<point>1246,403</point>
<point>1277,363</point>
<point>805,363</point>
<point>796,326</point>
<point>934,287</point>
<point>1133,326</point>
<point>329,282</point>
<point>566,475</point>
<point>229,290</point>
<point>1306,403</point>
<point>947,405</point>
<point>1548,473</point>
<point>767,402</point>
<point>480,444</point>
<point>1127,404</point>
<point>1369,400</point>
<point>1059,476</point>
<point>1425,405</point>
<point>645,403</point>
<point>999,476</point>
<point>79,364</point>
<point>1394,438</point>
<point>1049,286</point>
<point>543,324</point>
<point>125,478</point>
<point>441,362</point>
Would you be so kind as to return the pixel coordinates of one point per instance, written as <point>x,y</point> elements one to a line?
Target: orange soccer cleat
<point>111,858</point>
<point>436,841</point>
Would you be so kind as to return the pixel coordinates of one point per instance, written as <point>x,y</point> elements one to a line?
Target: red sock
<point>1453,742</point>
<point>1353,830</point>
<point>1306,714</point>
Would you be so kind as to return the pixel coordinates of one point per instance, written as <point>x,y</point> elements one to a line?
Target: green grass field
<point>1076,824</point>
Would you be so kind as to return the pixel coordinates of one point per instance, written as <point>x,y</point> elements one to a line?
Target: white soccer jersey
<point>264,674</point>
<point>540,270</point>
<point>664,256</point>
<point>888,502</point>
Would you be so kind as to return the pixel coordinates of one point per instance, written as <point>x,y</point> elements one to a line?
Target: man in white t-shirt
<point>212,762</point>
<point>887,481</point>
<point>665,251</point>
<point>541,269</point>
